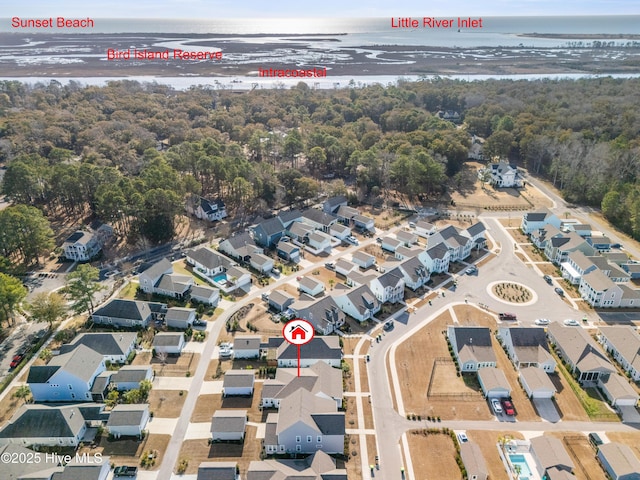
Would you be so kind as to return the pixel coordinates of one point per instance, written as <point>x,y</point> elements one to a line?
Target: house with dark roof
<point>317,466</point>
<point>290,216</point>
<point>81,246</point>
<point>319,349</point>
<point>299,232</point>
<point>310,286</point>
<point>541,236</point>
<point>44,425</point>
<point>240,247</point>
<point>288,250</point>
<point>332,204</point>
<point>207,261</point>
<point>472,347</point>
<point>619,461</point>
<point>218,471</point>
<point>324,314</point>
<point>180,317</point>
<point>320,379</point>
<point>623,343</point>
<point>206,295</point>
<point>228,425</point>
<point>532,221</point>
<point>558,248</point>
<point>47,466</point>
<point>115,347</point>
<point>346,214</point>
<point>318,219</point>
<point>67,377</point>
<point>527,347</point>
<point>459,245</point>
<point>415,274</point>
<point>305,423</point>
<point>160,279</point>
<point>238,383</point>
<point>80,468</point>
<point>128,420</point>
<point>130,376</point>
<point>389,287</point>
<point>268,232</point>
<point>280,300</point>
<point>359,303</point>
<point>170,343</point>
<point>123,313</point>
<point>585,360</point>
<point>205,209</point>
<point>246,346</point>
<point>436,258</point>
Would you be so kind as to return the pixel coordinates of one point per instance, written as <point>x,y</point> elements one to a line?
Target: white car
<point>463,437</point>
<point>495,403</point>
<point>570,322</point>
<point>542,321</point>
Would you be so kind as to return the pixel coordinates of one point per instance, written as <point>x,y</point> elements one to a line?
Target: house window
<point>73,395</point>
<point>282,448</point>
<point>298,448</point>
<point>70,386</point>
<point>309,438</point>
<point>298,439</point>
<point>319,438</point>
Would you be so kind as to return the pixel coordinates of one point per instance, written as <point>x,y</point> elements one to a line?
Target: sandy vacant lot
<point>433,456</point>
<point>166,403</point>
<point>583,455</point>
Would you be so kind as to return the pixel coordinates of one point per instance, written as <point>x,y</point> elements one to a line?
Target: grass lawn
<point>129,291</point>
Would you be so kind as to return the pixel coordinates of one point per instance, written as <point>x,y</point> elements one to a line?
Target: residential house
<point>362,222</point>
<point>402,253</point>
<point>633,269</point>
<point>540,237</point>
<point>585,360</point>
<point>305,423</point>
<point>390,244</point>
<point>339,231</point>
<point>240,247</point>
<point>494,383</point>
<point>476,233</point>
<point>436,258</point>
<point>425,229</point>
<point>599,290</point>
<point>81,468</point>
<point>459,245</point>
<point>160,279</point>
<point>238,383</point>
<point>353,218</point>
<point>576,265</point>
<point>618,391</point>
<point>268,232</point>
<point>310,286</point>
<point>549,453</point>
<point>206,295</point>
<point>115,347</point>
<point>179,317</point>
<point>123,313</point>
<point>533,221</point>
<point>204,209</point>
<point>355,278</point>
<point>558,248</point>
<point>619,461</point>
<point>228,425</point>
<point>536,383</point>
<point>130,376</point>
<point>407,238</point>
<point>246,346</point>
<point>324,314</point>
<point>472,347</point>
<point>344,267</point>
<point>527,347</point>
<point>359,303</point>
<point>601,243</point>
<point>320,379</point>
<point>475,152</point>
<point>299,232</point>
<point>318,219</point>
<point>473,461</point>
<point>319,242</point>
<point>618,274</point>
<point>44,425</point>
<point>504,176</point>
<point>618,258</point>
<point>280,300</point>
<point>346,214</point>
<point>128,420</point>
<point>82,246</point>
<point>67,377</point>
<point>261,263</point>
<point>317,466</point>
<point>44,469</point>
<point>288,250</point>
<point>389,287</point>
<point>207,262</point>
<point>232,279</point>
<point>320,349</point>
<point>363,260</point>
<point>415,274</point>
<point>289,217</point>
<point>218,471</point>
<point>332,204</point>
<point>170,343</point>
<point>623,343</point>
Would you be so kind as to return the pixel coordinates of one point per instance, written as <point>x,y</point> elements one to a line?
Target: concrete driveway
<point>546,409</point>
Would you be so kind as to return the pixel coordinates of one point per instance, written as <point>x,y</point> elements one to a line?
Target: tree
<point>48,308</point>
<point>145,388</point>
<point>25,234</point>
<point>81,286</point>
<point>484,176</point>
<point>112,398</point>
<point>132,396</point>
<point>12,292</point>
<point>22,392</point>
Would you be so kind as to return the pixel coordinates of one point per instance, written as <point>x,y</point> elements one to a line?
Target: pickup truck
<point>124,471</point>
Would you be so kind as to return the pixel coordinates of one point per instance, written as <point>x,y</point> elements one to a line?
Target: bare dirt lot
<point>415,360</point>
<point>583,455</point>
<point>10,405</point>
<point>166,403</point>
<point>353,464</point>
<point>127,451</point>
<point>632,439</point>
<point>176,366</point>
<point>206,405</point>
<point>433,456</point>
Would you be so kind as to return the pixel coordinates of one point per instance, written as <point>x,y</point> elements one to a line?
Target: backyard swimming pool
<point>220,278</point>
<point>520,461</point>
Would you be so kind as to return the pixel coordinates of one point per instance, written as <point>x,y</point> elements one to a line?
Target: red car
<point>16,360</point>
<point>508,407</point>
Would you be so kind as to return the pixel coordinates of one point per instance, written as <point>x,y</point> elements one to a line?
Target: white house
<point>618,390</point>
<point>389,287</point>
<point>344,267</point>
<point>504,176</point>
<point>261,263</point>
<point>576,265</point>
<point>130,376</point>
<point>415,274</point>
<point>359,303</point>
<point>179,317</point>
<point>425,229</point>
<point>472,347</point>
<point>128,420</point>
<point>494,383</point>
<point>324,314</point>
<point>240,247</point>
<point>318,219</point>
<point>536,383</point>
<point>310,286</point>
<point>527,347</point>
<point>533,221</point>
<point>170,343</point>
<point>81,246</point>
<point>436,258</point>
<point>238,383</point>
<point>228,425</point>
<point>408,238</point>
<point>67,377</point>
<point>599,290</point>
<point>208,262</point>
<point>459,245</point>
<point>206,295</point>
<point>115,347</point>
<point>280,300</point>
<point>204,209</point>
<point>390,244</point>
<point>160,279</point>
<point>246,346</point>
<point>319,242</point>
<point>363,260</point>
<point>623,343</point>
<point>339,231</point>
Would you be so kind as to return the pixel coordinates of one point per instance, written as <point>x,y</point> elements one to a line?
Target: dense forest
<point>131,154</point>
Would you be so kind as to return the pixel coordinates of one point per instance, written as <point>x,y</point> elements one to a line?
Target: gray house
<point>115,347</point>
<point>228,425</point>
<point>472,347</point>
<point>123,313</point>
<point>619,461</point>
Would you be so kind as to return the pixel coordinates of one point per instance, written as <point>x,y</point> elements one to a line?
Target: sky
<point>306,8</point>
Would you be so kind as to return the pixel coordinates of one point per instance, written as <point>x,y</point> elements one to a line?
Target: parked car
<point>548,279</point>
<point>495,404</point>
<point>542,321</point>
<point>124,471</point>
<point>330,265</point>
<point>388,325</point>
<point>471,270</point>
<point>570,322</point>
<point>595,439</point>
<point>507,316</point>
<point>508,407</point>
<point>616,245</point>
<point>463,437</point>
<point>199,323</point>
<point>16,360</point>
<point>379,240</point>
<point>353,240</point>
<point>559,291</point>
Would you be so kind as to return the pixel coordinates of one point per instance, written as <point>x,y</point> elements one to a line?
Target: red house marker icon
<point>298,332</point>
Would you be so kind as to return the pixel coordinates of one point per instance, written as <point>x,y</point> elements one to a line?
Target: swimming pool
<point>519,460</point>
<point>220,278</point>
